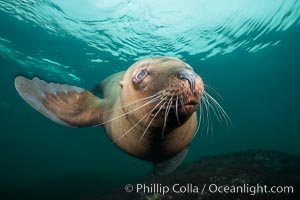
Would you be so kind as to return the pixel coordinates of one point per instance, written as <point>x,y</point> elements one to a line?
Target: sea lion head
<point>165,91</point>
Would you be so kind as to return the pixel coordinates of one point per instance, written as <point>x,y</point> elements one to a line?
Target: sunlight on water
<point>129,30</point>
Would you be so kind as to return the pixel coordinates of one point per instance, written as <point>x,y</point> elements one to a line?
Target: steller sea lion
<point>147,111</point>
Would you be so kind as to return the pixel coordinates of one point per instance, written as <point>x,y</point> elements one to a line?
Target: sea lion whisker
<point>151,121</point>
<point>132,103</point>
<point>221,110</point>
<point>213,90</point>
<point>146,115</point>
<point>181,101</point>
<point>211,122</point>
<point>208,118</point>
<point>166,114</point>
<point>199,121</point>
<point>176,110</point>
<point>151,112</point>
<point>201,117</point>
<point>126,113</point>
<point>212,106</point>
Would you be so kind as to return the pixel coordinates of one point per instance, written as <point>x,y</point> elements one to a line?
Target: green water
<point>247,50</point>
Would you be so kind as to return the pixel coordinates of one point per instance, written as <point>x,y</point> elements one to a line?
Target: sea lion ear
<point>64,104</point>
<point>168,166</point>
<point>121,83</point>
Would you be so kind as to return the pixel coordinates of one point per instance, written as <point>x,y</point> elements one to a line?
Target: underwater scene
<point>244,127</point>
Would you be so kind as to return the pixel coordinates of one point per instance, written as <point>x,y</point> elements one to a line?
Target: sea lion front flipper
<point>168,166</point>
<point>64,104</point>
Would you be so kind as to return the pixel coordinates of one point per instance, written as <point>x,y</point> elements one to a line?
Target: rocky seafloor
<point>238,176</point>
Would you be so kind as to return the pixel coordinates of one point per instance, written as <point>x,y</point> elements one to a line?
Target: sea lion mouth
<point>174,112</point>
<point>181,108</point>
<point>188,106</point>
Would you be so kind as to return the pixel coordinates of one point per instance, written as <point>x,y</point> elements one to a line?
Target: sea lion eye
<point>140,75</point>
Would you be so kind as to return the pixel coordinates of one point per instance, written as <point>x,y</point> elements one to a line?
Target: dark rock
<point>247,172</point>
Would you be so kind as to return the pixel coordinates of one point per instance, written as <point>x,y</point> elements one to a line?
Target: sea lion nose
<point>188,75</point>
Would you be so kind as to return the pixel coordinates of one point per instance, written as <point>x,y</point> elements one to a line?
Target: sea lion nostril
<point>188,75</point>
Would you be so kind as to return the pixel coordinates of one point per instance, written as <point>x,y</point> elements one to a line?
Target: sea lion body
<point>147,111</point>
